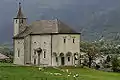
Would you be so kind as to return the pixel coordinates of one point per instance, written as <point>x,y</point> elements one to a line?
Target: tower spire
<point>20,14</point>
<point>20,21</point>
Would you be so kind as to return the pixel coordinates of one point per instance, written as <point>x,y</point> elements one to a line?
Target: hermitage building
<point>45,42</point>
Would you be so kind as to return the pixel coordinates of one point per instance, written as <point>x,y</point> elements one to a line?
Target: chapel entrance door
<point>62,61</point>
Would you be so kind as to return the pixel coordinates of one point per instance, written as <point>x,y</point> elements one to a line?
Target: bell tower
<point>20,21</point>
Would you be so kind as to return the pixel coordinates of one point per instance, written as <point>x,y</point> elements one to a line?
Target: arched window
<point>18,52</point>
<point>68,58</point>
<point>68,54</point>
<point>62,54</point>
<point>73,40</point>
<point>54,54</point>
<point>16,21</point>
<point>22,21</point>
<point>56,59</point>
<point>64,40</point>
<point>44,54</point>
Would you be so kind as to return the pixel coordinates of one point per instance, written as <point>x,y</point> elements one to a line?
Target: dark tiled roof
<point>26,32</point>
<point>63,28</point>
<point>46,26</point>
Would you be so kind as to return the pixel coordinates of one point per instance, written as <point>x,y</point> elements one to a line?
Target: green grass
<point>9,72</point>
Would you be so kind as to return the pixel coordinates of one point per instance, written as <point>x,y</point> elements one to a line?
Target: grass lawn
<point>9,72</point>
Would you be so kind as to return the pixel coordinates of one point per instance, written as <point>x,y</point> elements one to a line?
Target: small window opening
<point>22,21</point>
<point>18,53</point>
<point>44,42</point>
<point>64,40</point>
<point>56,59</point>
<point>73,40</point>
<point>16,21</point>
<point>44,54</point>
<point>68,58</point>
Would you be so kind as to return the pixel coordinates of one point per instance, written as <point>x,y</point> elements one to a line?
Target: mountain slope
<point>90,15</point>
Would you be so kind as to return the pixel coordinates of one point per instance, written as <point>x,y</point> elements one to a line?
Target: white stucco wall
<point>16,26</point>
<point>19,25</point>
<point>44,42</point>
<point>27,49</point>
<point>19,45</point>
<point>59,46</point>
<point>69,45</point>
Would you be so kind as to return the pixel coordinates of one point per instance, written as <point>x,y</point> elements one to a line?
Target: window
<point>16,21</point>
<point>18,53</point>
<point>64,40</point>
<point>34,42</point>
<point>68,58</point>
<point>22,20</point>
<point>73,40</point>
<point>56,59</point>
<point>44,54</point>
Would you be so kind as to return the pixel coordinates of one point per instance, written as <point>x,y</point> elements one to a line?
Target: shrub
<point>115,64</point>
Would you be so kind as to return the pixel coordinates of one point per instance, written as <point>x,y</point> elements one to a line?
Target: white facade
<point>59,47</point>
<point>16,27</point>
<point>19,51</point>
<point>55,50</point>
<point>45,43</point>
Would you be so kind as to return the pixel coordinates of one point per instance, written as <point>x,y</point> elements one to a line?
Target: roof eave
<point>18,37</point>
<point>52,33</point>
<point>20,18</point>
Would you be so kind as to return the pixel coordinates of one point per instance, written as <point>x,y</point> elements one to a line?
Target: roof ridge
<point>39,27</point>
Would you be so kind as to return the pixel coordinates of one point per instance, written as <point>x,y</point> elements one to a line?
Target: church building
<point>44,42</point>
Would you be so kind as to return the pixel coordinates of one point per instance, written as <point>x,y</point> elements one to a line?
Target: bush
<point>115,64</point>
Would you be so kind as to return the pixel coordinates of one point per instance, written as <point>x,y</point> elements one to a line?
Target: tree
<point>115,63</point>
<point>91,49</point>
<point>92,52</point>
<point>108,59</point>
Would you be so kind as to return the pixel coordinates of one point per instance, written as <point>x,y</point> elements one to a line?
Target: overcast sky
<point>73,12</point>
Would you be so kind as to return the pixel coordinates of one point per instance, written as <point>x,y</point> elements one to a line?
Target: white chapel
<point>44,42</point>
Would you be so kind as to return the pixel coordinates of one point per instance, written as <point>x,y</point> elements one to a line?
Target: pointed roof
<point>20,14</point>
